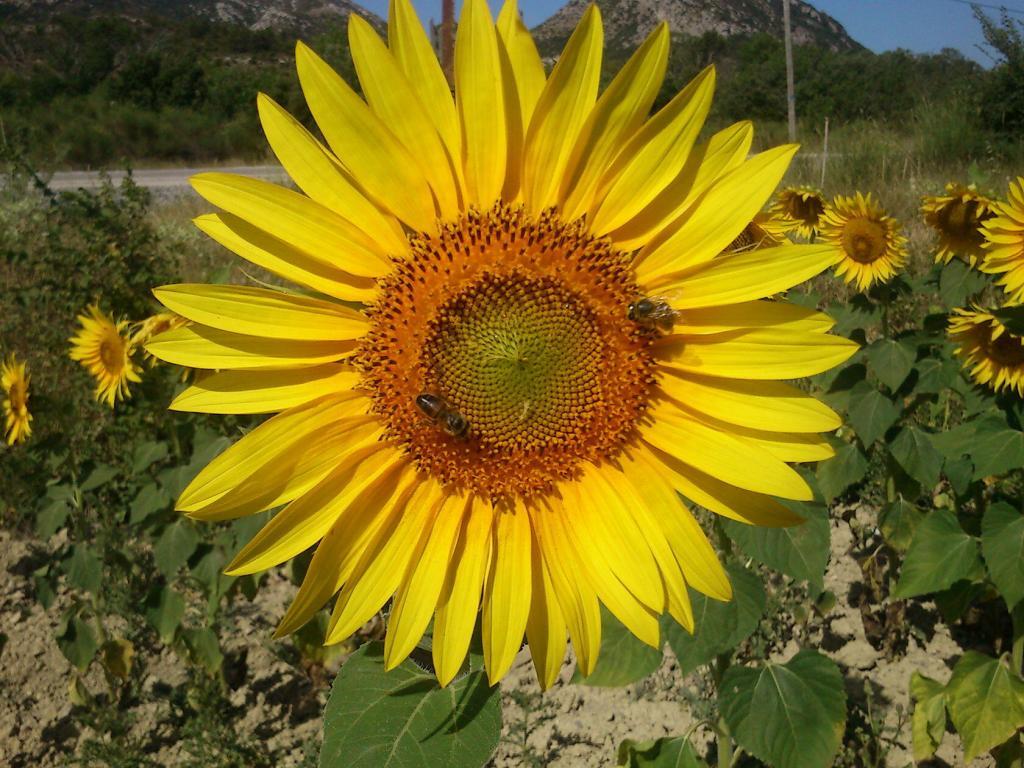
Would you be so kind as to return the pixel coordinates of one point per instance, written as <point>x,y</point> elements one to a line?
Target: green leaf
<point>404,719</point>
<point>77,641</point>
<point>960,473</point>
<point>101,475</point>
<point>955,443</point>
<point>719,627</point>
<point>929,719</point>
<point>51,518</point>
<point>844,469</point>
<point>164,609</point>
<point>985,702</point>
<point>898,521</point>
<point>940,554</point>
<point>147,454</point>
<point>84,569</point>
<point>996,448</point>
<point>914,451</point>
<point>174,547</point>
<point>935,375</point>
<point>891,361</point>
<point>1002,545</point>
<point>1012,318</point>
<point>954,601</point>
<point>799,551</point>
<point>669,752</point>
<point>958,282</point>
<point>787,715</point>
<point>623,660</point>
<point>871,413</point>
<point>149,500</point>
<point>204,649</point>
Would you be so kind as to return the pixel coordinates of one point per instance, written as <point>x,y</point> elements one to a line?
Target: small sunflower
<point>801,207</point>
<point>873,247</point>
<point>14,379</point>
<point>1004,242</point>
<point>765,230</point>
<point>994,354</point>
<point>152,326</point>
<point>103,349</point>
<point>957,217</point>
<point>502,431</point>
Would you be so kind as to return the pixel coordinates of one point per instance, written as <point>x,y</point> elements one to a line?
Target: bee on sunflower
<point>104,349</point>
<point>993,354</point>
<point>800,207</point>
<point>957,217</point>
<point>765,230</point>
<point>872,246</point>
<point>154,325</point>
<point>1004,242</point>
<point>14,379</point>
<point>500,432</point>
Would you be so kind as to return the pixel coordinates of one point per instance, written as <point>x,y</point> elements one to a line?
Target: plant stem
<point>885,315</point>
<point>1017,654</point>
<point>723,736</point>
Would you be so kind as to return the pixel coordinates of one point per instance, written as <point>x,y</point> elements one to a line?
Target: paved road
<point>159,178</point>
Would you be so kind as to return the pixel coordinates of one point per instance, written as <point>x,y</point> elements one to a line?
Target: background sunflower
<point>103,348</point>
<point>873,247</point>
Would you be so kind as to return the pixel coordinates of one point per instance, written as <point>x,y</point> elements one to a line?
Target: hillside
<point>627,22</point>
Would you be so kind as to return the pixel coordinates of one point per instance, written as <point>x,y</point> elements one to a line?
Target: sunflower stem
<point>723,736</point>
<point>1017,654</point>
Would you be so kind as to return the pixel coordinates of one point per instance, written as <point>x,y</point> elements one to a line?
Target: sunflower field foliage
<point>833,345</point>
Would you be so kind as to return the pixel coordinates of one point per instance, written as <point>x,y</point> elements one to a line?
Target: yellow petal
<point>722,497</point>
<point>306,520</point>
<point>563,108</point>
<point>506,602</point>
<point>460,596</point>
<point>545,627</point>
<point>276,256</point>
<point>771,405</point>
<point>480,97</point>
<point>392,98</point>
<point>345,543</point>
<point>321,177</point>
<point>522,53</point>
<point>196,346</point>
<point>417,597</point>
<point>264,391</point>
<point>723,456</point>
<point>749,314</point>
<point>619,111</point>
<point>724,151</point>
<point>294,218</point>
<point>364,144</point>
<point>262,312</point>
<point>654,156</point>
<point>407,38</point>
<point>716,218</point>
<point>762,353</point>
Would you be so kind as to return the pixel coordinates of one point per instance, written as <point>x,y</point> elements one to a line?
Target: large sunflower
<point>957,217</point>
<point>104,349</point>
<point>14,379</point>
<point>870,241</point>
<point>494,433</point>
<point>994,354</point>
<point>801,207</point>
<point>1004,242</point>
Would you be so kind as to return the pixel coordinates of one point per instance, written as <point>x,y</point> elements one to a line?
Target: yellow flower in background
<point>765,230</point>
<point>103,348</point>
<point>957,217</point>
<point>154,325</point>
<point>495,434</point>
<point>14,379</point>
<point>1004,242</point>
<point>873,247</point>
<point>802,207</point>
<point>994,354</point>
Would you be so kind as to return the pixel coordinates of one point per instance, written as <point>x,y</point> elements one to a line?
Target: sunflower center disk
<point>520,326</point>
<point>864,240</point>
<point>110,354</point>
<point>1007,350</point>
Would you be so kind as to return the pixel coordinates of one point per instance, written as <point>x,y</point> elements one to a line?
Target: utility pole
<point>448,39</point>
<point>790,92</point>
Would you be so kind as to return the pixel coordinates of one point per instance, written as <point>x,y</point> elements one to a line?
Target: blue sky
<point>920,25</point>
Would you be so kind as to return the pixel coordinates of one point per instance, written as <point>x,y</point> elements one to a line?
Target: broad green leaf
<point>84,569</point>
<point>955,443</point>
<point>871,413</point>
<point>174,547</point>
<point>77,641</point>
<point>996,448</point>
<point>929,719</point>
<point>844,469</point>
<point>1002,545</point>
<point>624,659</point>
<point>960,473</point>
<point>954,601</point>
<point>958,282</point>
<point>787,715</point>
<point>404,719</point>
<point>51,518</point>
<point>719,627</point>
<point>101,475</point>
<point>891,361</point>
<point>986,702</point>
<point>204,649</point>
<point>164,609</point>
<point>935,375</point>
<point>150,499</point>
<point>116,656</point>
<point>914,451</point>
<point>799,551</point>
<point>669,752</point>
<point>898,521</point>
<point>147,454</point>
<point>940,553</point>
